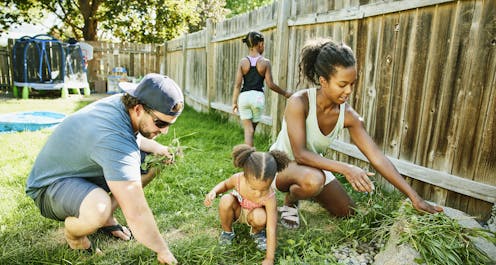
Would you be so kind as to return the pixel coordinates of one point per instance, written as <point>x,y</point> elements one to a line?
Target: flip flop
<point>289,213</point>
<point>92,249</point>
<point>107,230</point>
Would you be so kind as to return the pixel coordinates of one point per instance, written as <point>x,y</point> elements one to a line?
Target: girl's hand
<point>359,179</point>
<point>235,108</point>
<point>209,198</point>
<point>268,262</point>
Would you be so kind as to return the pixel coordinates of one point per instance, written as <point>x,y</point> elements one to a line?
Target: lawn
<point>176,198</point>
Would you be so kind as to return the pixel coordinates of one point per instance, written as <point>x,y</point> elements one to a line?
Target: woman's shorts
<point>251,105</point>
<point>328,178</point>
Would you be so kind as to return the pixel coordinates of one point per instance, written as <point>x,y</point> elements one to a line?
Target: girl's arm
<point>237,87</point>
<point>270,82</point>
<point>271,212</point>
<point>381,163</point>
<point>223,186</point>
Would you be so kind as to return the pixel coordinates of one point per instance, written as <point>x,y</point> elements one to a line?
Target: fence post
<point>10,47</point>
<point>163,67</point>
<point>280,67</point>
<point>185,61</point>
<point>210,50</point>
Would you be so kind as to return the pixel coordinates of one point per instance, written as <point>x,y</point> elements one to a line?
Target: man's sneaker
<point>226,238</point>
<point>260,239</point>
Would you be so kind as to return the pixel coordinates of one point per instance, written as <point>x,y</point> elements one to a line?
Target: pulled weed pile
<point>440,239</point>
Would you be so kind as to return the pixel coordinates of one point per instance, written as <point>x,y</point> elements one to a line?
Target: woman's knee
<point>346,210</point>
<point>335,200</point>
<point>312,183</point>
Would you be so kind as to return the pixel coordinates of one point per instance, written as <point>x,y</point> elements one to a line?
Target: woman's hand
<point>235,107</point>
<point>359,179</point>
<point>209,198</point>
<point>422,206</point>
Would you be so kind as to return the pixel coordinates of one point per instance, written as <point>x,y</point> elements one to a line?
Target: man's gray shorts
<point>64,197</point>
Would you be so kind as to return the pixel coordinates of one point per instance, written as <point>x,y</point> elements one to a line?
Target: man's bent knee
<point>96,208</point>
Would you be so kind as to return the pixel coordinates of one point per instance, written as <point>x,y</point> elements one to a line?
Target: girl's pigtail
<point>241,153</point>
<point>282,159</point>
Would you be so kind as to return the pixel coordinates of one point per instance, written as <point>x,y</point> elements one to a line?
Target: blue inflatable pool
<point>29,121</point>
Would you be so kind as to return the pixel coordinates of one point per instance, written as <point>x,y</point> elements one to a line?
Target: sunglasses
<point>158,122</point>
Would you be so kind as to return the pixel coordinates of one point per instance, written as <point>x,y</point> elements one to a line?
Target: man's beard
<point>146,134</point>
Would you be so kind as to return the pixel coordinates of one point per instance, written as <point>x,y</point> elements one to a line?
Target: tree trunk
<point>89,9</point>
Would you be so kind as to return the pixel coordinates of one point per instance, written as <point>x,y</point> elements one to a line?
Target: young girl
<point>252,200</point>
<point>253,70</point>
<point>312,120</point>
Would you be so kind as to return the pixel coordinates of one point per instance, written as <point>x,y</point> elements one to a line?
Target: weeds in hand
<point>176,151</point>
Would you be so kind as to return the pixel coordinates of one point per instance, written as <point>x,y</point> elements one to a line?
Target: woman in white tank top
<point>312,119</point>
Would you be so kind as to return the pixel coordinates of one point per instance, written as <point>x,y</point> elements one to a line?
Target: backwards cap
<point>156,91</point>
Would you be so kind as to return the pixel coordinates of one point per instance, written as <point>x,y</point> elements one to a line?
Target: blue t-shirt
<point>96,141</point>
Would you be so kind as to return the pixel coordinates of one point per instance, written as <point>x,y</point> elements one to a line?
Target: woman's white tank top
<point>316,141</point>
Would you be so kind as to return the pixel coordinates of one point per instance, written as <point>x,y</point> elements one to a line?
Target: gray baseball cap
<point>156,91</point>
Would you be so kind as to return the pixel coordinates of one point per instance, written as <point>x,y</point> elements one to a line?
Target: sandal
<point>289,216</point>
<point>107,230</point>
<point>92,249</point>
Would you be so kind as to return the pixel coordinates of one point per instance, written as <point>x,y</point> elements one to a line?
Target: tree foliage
<point>140,21</point>
<point>143,21</point>
<point>242,6</point>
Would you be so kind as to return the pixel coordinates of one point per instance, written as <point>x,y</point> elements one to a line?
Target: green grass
<point>176,198</point>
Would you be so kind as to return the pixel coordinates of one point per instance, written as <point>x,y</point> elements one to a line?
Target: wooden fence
<point>426,87</point>
<point>5,68</point>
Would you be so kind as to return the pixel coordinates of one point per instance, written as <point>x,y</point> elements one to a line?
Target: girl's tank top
<point>253,80</point>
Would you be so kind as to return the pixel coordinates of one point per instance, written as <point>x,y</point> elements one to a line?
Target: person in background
<point>252,200</point>
<point>313,118</point>
<point>90,165</point>
<point>252,70</point>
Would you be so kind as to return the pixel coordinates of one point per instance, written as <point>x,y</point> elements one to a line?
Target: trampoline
<point>44,63</point>
<point>29,121</point>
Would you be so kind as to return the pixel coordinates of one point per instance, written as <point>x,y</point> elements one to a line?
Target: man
<point>91,164</point>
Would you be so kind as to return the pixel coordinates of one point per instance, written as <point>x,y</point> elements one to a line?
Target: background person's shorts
<point>251,105</point>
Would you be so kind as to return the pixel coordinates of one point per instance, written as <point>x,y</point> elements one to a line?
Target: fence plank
<point>280,67</point>
<point>442,179</point>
